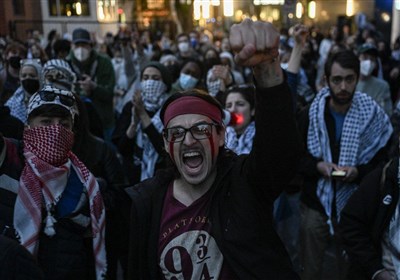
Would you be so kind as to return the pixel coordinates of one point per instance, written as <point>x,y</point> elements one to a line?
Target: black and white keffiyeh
<point>150,155</point>
<point>153,94</point>
<point>366,129</point>
<point>17,105</point>
<point>244,143</point>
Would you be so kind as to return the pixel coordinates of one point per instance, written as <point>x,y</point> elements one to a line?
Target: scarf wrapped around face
<point>48,155</point>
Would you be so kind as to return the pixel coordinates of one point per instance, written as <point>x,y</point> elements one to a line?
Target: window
<point>107,10</point>
<point>155,4</point>
<point>69,8</point>
<point>18,7</point>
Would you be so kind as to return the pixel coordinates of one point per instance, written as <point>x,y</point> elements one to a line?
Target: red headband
<point>192,105</point>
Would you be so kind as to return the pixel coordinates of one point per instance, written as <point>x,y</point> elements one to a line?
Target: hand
<point>87,84</point>
<point>254,42</point>
<point>325,168</point>
<point>394,73</point>
<point>137,102</point>
<point>351,173</point>
<point>384,275</point>
<point>221,72</point>
<point>300,34</point>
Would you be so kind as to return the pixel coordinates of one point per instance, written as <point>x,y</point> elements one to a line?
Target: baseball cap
<point>81,35</point>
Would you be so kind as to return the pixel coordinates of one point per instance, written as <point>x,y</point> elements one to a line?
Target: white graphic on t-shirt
<point>191,255</point>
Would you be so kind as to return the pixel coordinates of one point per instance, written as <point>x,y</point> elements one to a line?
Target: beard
<point>343,97</point>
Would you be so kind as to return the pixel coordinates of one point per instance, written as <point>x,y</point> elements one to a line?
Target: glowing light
<point>228,8</point>
<point>78,8</point>
<point>268,2</point>
<point>385,17</point>
<point>349,8</point>
<point>290,15</point>
<point>206,9</point>
<point>215,2</point>
<point>196,9</point>
<point>299,10</point>
<point>69,13</point>
<point>120,11</point>
<point>312,8</point>
<point>254,18</point>
<point>275,14</point>
<point>397,4</point>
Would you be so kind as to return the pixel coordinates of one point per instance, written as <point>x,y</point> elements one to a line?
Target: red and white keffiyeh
<point>48,155</point>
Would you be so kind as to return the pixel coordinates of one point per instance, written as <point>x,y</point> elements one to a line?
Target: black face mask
<point>175,70</point>
<point>30,85</point>
<point>14,62</point>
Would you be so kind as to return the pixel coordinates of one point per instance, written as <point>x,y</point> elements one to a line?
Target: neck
<point>186,193</point>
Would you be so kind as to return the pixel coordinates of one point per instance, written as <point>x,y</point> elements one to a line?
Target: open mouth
<point>192,159</point>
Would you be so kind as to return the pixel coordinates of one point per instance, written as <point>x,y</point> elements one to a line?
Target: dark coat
<point>16,263</point>
<point>241,201</point>
<point>365,218</point>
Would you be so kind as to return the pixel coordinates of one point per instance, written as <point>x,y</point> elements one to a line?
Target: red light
<point>120,11</point>
<point>239,119</point>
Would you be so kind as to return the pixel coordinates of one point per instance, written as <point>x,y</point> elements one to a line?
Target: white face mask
<point>284,66</point>
<point>366,67</point>
<point>81,54</point>
<point>183,46</point>
<point>187,81</point>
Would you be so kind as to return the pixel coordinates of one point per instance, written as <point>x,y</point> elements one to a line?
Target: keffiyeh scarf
<point>366,129</point>
<point>17,105</point>
<point>48,155</point>
<point>153,94</point>
<point>150,155</point>
<point>244,143</point>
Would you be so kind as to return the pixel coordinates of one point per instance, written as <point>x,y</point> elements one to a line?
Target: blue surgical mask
<point>187,81</point>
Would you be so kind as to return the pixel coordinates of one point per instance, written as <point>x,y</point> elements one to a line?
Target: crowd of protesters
<point>120,84</point>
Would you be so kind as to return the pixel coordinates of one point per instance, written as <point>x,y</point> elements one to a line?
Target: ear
<point>166,145</point>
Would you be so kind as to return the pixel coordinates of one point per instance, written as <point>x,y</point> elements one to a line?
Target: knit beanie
<point>165,75</point>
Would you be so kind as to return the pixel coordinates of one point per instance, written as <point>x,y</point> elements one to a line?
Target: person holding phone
<point>346,134</point>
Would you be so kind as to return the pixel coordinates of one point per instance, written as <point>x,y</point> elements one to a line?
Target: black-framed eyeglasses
<point>51,96</point>
<point>337,80</point>
<point>199,132</point>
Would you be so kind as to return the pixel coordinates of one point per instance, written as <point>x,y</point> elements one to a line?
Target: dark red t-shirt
<point>186,248</point>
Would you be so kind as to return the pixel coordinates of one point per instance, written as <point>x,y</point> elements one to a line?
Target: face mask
<point>187,81</point>
<point>284,66</point>
<point>81,54</point>
<point>396,55</point>
<point>174,69</point>
<point>14,62</point>
<point>366,67</point>
<point>118,60</point>
<point>51,144</point>
<point>152,94</point>
<point>183,46</point>
<point>193,42</point>
<point>30,85</point>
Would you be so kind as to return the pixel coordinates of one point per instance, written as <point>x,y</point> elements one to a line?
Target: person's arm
<point>276,148</point>
<point>300,34</point>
